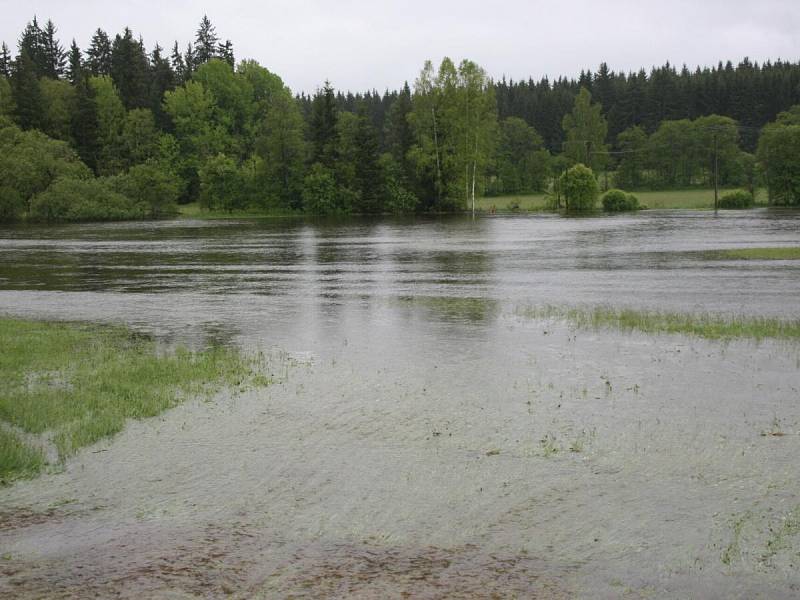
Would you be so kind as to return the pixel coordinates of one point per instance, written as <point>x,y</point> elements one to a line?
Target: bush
<point>580,188</point>
<point>153,189</point>
<point>737,199</point>
<point>82,200</point>
<point>619,201</point>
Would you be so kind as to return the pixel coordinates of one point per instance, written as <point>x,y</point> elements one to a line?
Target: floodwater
<point>423,438</point>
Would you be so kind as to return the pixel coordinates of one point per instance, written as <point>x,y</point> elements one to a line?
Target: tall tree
<point>206,44</point>
<point>26,92</point>
<point>5,61</point>
<point>225,52</point>
<point>586,130</point>
<point>55,55</point>
<point>84,123</point>
<point>130,70</point>
<point>324,133</point>
<point>31,44</point>
<point>162,79</point>
<point>75,65</point>
<point>98,56</point>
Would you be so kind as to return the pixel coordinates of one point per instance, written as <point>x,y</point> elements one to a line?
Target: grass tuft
<point>784,253</point>
<point>715,327</point>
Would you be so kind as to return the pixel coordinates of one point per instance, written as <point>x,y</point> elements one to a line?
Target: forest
<point>115,131</point>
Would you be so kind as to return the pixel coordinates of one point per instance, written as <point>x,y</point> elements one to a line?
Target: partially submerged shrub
<point>737,199</point>
<point>82,200</point>
<point>619,201</point>
<point>580,188</point>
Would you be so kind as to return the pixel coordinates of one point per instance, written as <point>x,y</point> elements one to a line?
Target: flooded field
<point>426,436</point>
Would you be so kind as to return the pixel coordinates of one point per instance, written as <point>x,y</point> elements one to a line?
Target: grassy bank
<point>783,253</point>
<point>195,211</point>
<point>713,327</point>
<point>698,199</point>
<point>69,385</point>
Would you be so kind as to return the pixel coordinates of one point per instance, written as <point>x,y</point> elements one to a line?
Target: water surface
<point>424,438</point>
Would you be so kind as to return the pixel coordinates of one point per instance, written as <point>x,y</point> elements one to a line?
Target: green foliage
<point>321,196</point>
<point>139,138</point>
<point>29,163</point>
<point>110,116</point>
<point>7,107</point>
<point>778,151</point>
<point>221,184</point>
<point>522,163</point>
<point>82,200</point>
<point>580,188</point>
<point>586,131</point>
<point>630,172</point>
<point>619,201</point>
<point>737,199</point>
<point>58,106</point>
<point>153,189</point>
<point>454,119</point>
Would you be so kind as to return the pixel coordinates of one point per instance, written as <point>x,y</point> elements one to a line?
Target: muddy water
<point>423,439</point>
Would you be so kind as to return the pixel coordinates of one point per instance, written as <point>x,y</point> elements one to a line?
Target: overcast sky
<point>361,44</point>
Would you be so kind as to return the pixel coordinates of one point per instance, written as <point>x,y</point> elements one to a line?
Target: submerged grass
<point>695,199</point>
<point>781,253</point>
<point>710,326</point>
<point>75,384</point>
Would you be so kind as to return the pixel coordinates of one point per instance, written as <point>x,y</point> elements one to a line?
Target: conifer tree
<point>55,56</point>
<point>5,61</point>
<point>98,56</point>
<point>225,52</point>
<point>75,66</point>
<point>178,65</point>
<point>162,79</point>
<point>31,44</point>
<point>26,92</point>
<point>324,134</point>
<point>130,70</point>
<point>84,122</point>
<point>206,43</point>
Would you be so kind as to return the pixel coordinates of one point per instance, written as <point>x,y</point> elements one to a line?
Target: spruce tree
<point>206,43</point>
<point>162,79</point>
<point>84,123</point>
<point>5,61</point>
<point>324,135</point>
<point>225,52</point>
<point>130,70</point>
<point>27,93</point>
<point>75,66</point>
<point>31,44</point>
<point>55,56</point>
<point>178,65</point>
<point>189,61</point>
<point>98,56</point>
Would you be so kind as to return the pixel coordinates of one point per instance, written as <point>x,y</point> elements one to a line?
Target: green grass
<point>696,199</point>
<point>17,459</point>
<point>715,327</point>
<point>75,384</point>
<point>784,253</point>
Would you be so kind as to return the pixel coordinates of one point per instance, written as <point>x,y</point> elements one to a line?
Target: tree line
<point>118,131</point>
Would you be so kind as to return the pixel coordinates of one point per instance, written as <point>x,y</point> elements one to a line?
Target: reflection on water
<point>430,443</point>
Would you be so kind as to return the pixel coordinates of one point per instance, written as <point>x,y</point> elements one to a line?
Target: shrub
<point>155,190</point>
<point>737,199</point>
<point>619,201</point>
<point>580,188</point>
<point>82,200</point>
